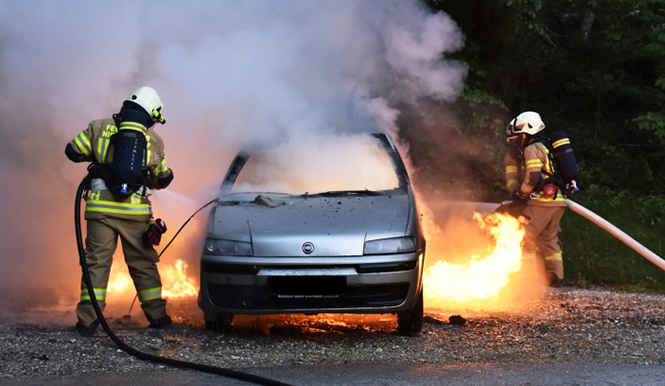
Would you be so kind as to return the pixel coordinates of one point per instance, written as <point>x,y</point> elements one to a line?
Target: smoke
<point>227,71</point>
<point>311,167</point>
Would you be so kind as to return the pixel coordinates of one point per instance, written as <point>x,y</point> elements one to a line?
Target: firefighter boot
<point>555,281</point>
<point>87,330</point>
<point>160,322</point>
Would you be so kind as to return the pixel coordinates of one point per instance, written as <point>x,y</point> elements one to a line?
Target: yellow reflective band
<point>133,126</point>
<point>561,142</point>
<point>559,198</point>
<point>95,205</point>
<point>511,182</point>
<point>534,163</point>
<point>161,168</point>
<point>102,149</point>
<point>511,169</point>
<point>83,144</point>
<point>100,294</point>
<point>150,294</point>
<point>554,257</point>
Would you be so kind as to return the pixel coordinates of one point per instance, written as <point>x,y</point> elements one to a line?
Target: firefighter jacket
<point>527,172</point>
<point>94,145</point>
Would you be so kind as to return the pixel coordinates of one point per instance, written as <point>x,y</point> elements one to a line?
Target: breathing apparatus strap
<point>86,183</point>
<point>552,178</point>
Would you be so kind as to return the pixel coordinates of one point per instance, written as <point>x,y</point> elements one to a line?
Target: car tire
<point>410,322</point>
<point>221,322</point>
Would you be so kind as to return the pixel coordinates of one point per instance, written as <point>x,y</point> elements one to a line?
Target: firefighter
<point>109,217</point>
<point>529,179</point>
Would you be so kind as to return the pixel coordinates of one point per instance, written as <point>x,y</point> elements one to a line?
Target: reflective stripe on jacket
<point>101,202</point>
<point>537,166</point>
<point>93,144</point>
<point>512,173</point>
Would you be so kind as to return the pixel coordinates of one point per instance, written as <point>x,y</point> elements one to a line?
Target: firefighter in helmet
<point>129,217</point>
<point>529,179</point>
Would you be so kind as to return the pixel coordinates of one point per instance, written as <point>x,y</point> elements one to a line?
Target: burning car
<point>328,226</point>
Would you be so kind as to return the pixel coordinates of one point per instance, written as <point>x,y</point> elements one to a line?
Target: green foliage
<point>597,70</point>
<point>651,210</point>
<point>477,96</point>
<point>653,122</point>
<point>615,199</point>
<point>592,254</point>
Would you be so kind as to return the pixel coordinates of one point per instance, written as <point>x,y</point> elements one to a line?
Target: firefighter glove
<point>519,196</point>
<point>513,208</point>
<point>154,231</point>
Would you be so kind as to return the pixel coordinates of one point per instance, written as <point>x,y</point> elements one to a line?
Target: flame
<point>119,282</point>
<point>481,280</point>
<point>175,282</point>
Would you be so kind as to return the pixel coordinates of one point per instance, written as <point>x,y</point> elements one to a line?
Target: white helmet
<point>147,98</point>
<point>528,122</point>
<point>510,131</point>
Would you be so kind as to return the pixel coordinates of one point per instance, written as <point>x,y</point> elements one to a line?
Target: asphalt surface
<point>386,374</point>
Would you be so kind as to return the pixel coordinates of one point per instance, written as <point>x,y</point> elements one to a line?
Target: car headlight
<point>228,247</point>
<point>392,245</point>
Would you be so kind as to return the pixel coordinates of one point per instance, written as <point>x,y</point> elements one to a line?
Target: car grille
<point>311,292</point>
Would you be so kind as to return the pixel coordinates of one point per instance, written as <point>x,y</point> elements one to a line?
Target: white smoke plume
<point>227,71</point>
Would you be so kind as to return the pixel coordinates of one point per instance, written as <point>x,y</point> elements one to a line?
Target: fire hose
<point>171,241</point>
<point>618,233</point>
<point>511,208</point>
<point>84,187</point>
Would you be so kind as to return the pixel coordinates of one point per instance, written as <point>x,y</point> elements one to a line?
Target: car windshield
<point>350,164</point>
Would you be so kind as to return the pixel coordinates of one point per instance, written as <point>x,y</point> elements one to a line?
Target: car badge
<point>308,248</point>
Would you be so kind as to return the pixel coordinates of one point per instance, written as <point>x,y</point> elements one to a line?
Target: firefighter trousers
<point>141,258</point>
<point>542,236</point>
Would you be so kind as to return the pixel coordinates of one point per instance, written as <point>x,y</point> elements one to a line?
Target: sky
<point>227,72</point>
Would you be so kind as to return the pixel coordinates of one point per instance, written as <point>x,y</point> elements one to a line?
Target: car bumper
<point>376,284</point>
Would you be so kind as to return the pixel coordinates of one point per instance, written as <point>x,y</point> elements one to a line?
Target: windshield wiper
<point>349,193</point>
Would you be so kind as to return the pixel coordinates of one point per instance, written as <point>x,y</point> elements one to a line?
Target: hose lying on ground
<point>130,350</point>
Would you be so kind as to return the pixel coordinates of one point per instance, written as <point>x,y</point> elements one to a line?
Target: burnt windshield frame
<point>383,139</point>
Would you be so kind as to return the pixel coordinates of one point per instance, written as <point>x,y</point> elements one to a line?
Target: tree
<point>591,67</point>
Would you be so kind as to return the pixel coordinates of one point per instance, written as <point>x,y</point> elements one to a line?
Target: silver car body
<point>357,251</point>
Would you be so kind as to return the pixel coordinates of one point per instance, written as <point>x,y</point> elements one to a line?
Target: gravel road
<point>575,326</point>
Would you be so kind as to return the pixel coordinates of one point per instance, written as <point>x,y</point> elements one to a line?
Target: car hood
<point>336,226</point>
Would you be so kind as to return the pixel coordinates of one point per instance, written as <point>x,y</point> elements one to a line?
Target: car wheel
<point>410,322</point>
<point>218,322</point>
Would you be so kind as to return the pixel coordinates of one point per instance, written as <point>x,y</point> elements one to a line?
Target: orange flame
<point>175,282</point>
<point>480,280</point>
<point>119,283</point>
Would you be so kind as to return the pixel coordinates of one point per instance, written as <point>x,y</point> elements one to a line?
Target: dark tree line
<point>595,68</point>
